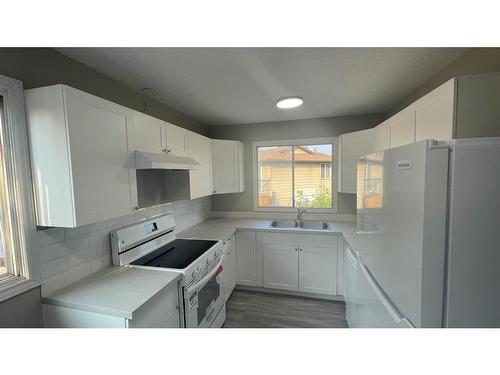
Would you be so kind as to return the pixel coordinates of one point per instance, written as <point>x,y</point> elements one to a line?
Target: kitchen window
<point>17,225</point>
<point>292,174</point>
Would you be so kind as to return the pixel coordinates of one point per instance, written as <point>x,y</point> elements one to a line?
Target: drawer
<point>319,240</point>
<point>281,238</point>
<point>158,309</point>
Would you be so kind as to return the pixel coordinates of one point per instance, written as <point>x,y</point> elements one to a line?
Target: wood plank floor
<point>250,309</point>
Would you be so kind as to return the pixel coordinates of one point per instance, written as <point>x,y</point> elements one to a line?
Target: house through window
<point>295,175</point>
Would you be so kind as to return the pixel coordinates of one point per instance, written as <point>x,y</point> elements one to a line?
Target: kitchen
<point>249,187</point>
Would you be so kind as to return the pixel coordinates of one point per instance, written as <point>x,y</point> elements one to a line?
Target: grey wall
<point>474,61</point>
<point>312,128</point>
<point>38,67</point>
<point>22,311</point>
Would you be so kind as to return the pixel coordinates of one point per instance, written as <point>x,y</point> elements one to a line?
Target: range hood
<point>148,160</point>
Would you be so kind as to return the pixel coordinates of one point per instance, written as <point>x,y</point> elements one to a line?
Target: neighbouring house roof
<point>302,154</point>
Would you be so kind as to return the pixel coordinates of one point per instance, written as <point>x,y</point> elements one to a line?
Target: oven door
<point>203,300</point>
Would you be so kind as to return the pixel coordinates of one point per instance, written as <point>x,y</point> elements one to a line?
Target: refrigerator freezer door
<point>473,283</point>
<point>406,226</point>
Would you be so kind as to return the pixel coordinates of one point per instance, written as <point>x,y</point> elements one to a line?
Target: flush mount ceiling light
<point>290,102</point>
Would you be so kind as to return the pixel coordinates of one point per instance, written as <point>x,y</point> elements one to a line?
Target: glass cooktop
<point>177,254</point>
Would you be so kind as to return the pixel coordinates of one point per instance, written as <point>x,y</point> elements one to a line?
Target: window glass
<point>295,176</point>
<point>275,176</point>
<point>313,183</point>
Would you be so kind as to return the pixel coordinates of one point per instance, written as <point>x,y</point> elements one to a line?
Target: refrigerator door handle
<point>396,316</point>
<point>351,257</point>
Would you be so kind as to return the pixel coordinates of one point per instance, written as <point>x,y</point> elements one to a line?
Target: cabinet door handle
<point>301,250</point>
<point>296,249</point>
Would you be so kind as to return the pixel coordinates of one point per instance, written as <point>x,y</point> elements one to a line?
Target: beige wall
<point>38,67</point>
<point>298,129</point>
<point>474,61</point>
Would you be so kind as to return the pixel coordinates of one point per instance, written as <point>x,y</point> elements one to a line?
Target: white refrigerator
<point>428,237</point>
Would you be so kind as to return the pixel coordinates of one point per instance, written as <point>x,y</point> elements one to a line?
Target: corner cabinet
<point>227,166</point>
<point>82,164</point>
<point>402,128</point>
<point>200,180</point>
<point>381,137</point>
<point>351,147</point>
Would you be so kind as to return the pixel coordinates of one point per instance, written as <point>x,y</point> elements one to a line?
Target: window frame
<point>19,186</point>
<point>295,142</point>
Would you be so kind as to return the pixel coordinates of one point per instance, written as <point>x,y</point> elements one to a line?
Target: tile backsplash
<point>68,255</point>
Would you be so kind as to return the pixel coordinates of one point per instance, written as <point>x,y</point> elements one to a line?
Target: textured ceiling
<point>218,86</point>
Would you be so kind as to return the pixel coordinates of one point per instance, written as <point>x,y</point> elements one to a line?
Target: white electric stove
<point>152,244</point>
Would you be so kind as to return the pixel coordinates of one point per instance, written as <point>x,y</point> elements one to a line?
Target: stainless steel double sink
<point>304,224</point>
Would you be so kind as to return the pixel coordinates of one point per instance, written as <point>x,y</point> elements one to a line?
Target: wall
<point>312,128</point>
<point>38,67</point>
<point>68,255</point>
<point>474,61</point>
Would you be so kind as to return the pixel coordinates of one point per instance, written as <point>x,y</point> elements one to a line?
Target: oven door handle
<point>200,284</point>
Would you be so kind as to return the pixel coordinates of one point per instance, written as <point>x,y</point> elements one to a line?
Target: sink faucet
<point>300,211</point>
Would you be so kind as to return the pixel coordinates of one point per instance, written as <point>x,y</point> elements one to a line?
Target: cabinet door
<point>176,140</point>
<point>148,134</point>
<point>402,128</point>
<point>101,175</point>
<point>381,137</point>
<point>318,270</point>
<point>200,179</point>
<point>225,166</point>
<point>351,147</point>
<point>246,259</point>
<point>229,267</point>
<point>434,113</point>
<point>281,266</point>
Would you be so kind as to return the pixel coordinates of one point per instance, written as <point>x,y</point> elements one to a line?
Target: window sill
<point>14,285</point>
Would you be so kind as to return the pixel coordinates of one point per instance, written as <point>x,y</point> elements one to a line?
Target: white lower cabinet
<point>246,258</point>
<point>281,265</point>
<point>300,262</point>
<point>315,271</point>
<point>229,266</point>
<point>160,311</point>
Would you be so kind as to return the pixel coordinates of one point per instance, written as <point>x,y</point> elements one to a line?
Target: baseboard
<point>290,293</point>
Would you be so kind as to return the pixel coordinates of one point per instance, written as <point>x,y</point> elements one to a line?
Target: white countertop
<point>116,291</point>
<point>222,229</point>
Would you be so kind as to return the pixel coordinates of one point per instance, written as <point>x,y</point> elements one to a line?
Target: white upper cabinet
<point>82,165</point>
<point>381,137</point>
<point>434,113</point>
<point>177,140</point>
<point>402,128</point>
<point>351,147</point>
<point>200,180</point>
<point>227,166</point>
<point>148,134</point>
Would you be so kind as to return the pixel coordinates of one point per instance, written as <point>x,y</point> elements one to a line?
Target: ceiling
<point>219,86</point>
